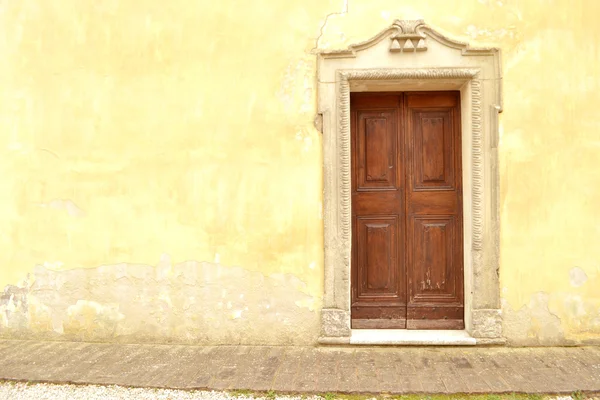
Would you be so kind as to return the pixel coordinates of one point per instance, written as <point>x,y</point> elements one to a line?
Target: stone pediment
<point>407,36</point>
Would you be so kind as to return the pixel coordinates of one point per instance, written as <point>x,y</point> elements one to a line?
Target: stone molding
<point>441,64</point>
<point>344,134</point>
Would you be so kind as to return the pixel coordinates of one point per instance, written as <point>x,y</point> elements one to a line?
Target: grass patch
<point>273,395</point>
<point>511,396</point>
<point>241,393</point>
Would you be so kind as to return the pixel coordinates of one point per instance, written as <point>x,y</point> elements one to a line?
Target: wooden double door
<point>407,229</point>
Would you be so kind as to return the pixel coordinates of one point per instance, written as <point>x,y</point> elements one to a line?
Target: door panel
<point>378,274</point>
<point>433,262</point>
<point>433,151</point>
<point>377,257</point>
<point>406,211</point>
<point>377,148</point>
<point>434,246</point>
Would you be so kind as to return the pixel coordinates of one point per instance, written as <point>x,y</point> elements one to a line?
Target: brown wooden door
<point>407,265</point>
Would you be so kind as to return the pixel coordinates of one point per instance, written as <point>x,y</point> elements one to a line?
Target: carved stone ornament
<point>408,37</point>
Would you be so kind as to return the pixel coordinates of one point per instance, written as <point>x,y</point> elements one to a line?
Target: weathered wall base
<point>192,302</point>
<point>539,324</point>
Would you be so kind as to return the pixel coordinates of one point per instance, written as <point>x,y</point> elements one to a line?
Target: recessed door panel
<point>377,257</point>
<point>376,149</point>
<point>432,258</point>
<point>433,150</point>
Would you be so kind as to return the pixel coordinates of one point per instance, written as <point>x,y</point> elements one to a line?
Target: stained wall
<point>161,175</point>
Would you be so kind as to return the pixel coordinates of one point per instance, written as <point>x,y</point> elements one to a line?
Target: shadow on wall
<point>192,302</point>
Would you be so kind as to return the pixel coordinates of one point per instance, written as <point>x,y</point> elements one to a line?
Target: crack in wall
<point>321,30</point>
<point>533,324</point>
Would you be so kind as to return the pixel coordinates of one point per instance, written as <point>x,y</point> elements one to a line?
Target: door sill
<point>404,337</point>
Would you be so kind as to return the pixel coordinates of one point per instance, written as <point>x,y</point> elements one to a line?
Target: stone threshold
<point>408,337</point>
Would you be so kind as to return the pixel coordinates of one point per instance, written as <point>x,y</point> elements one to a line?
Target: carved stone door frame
<point>408,56</point>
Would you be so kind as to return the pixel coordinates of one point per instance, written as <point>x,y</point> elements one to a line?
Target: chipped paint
<point>322,30</point>
<point>66,205</point>
<point>577,276</point>
<point>190,302</point>
<point>552,319</point>
<point>533,324</point>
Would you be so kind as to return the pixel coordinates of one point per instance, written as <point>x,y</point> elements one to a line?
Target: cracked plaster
<point>190,302</point>
<point>345,10</point>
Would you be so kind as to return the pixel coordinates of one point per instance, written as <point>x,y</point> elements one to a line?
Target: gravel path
<point>41,391</point>
<point>27,391</point>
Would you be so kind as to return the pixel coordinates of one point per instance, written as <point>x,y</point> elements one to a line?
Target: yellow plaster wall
<point>131,130</point>
<point>176,127</point>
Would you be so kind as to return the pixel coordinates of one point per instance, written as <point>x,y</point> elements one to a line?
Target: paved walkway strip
<point>306,369</point>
